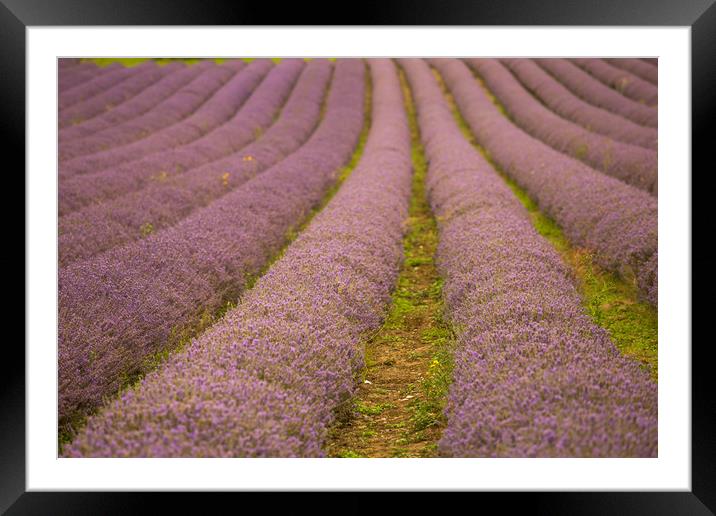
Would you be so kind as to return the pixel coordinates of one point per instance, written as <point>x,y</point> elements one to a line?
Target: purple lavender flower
<point>120,307</point>
<point>266,380</point>
<point>169,198</point>
<point>144,75</point>
<point>619,79</point>
<point>616,221</point>
<point>630,163</point>
<point>533,376</point>
<point>560,100</point>
<point>597,93</point>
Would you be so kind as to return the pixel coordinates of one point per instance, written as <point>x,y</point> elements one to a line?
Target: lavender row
<point>67,63</point>
<point>560,100</point>
<point>163,203</point>
<point>123,306</point>
<point>179,75</point>
<point>533,375</point>
<point>598,94</point>
<point>614,220</point>
<point>93,87</point>
<point>637,67</point>
<point>652,61</point>
<point>84,73</point>
<point>624,82</point>
<point>630,163</point>
<point>146,74</point>
<point>77,75</point>
<point>265,380</point>
<point>248,123</point>
<point>218,107</point>
<point>172,110</point>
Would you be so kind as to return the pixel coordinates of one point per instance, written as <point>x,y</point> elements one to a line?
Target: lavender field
<point>357,257</point>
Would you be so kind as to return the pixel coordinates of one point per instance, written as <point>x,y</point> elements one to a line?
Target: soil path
<point>398,411</point>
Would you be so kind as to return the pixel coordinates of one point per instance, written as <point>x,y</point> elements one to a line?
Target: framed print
<point>413,251</point>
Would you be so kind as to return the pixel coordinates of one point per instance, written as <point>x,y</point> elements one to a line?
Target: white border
<point>670,471</point>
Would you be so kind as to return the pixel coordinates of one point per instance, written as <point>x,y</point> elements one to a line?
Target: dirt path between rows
<point>398,411</point>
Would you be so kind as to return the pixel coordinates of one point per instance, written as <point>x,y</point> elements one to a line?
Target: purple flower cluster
<point>161,167</point>
<point>638,67</point>
<point>533,375</point>
<point>144,76</point>
<point>560,100</point>
<point>598,94</point>
<point>163,203</point>
<point>95,85</point>
<point>630,163</point>
<point>265,381</point>
<point>624,82</point>
<point>172,109</point>
<point>120,307</point>
<point>616,221</point>
<point>219,106</point>
<point>179,75</point>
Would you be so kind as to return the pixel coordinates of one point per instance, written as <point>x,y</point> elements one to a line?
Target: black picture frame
<point>700,15</point>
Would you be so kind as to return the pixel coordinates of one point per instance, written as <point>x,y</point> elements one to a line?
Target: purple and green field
<point>357,257</point>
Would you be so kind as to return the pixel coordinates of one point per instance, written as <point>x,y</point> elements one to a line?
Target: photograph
<point>347,257</point>
<point>415,251</point>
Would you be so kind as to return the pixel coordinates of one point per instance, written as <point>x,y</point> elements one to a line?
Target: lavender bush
<point>265,380</point>
<point>629,163</point>
<point>624,82</point>
<point>638,67</point>
<point>218,107</point>
<point>596,93</point>
<point>94,86</point>
<point>616,221</point>
<point>122,306</point>
<point>172,109</point>
<point>179,75</point>
<point>78,74</point>
<point>163,203</point>
<point>162,166</point>
<point>560,100</point>
<point>533,376</point>
<point>144,76</point>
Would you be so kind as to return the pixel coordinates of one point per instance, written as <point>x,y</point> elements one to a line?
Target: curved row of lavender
<point>145,75</point>
<point>652,61</point>
<point>624,82</point>
<point>179,75</point>
<point>123,306</point>
<point>218,108</point>
<point>612,219</point>
<point>249,122</point>
<point>598,94</point>
<point>560,100</point>
<point>533,376</point>
<point>630,163</point>
<point>265,381</point>
<point>638,67</point>
<point>72,76</point>
<point>65,64</point>
<point>161,204</point>
<point>170,110</point>
<point>68,62</point>
<point>94,86</point>
<point>85,73</point>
